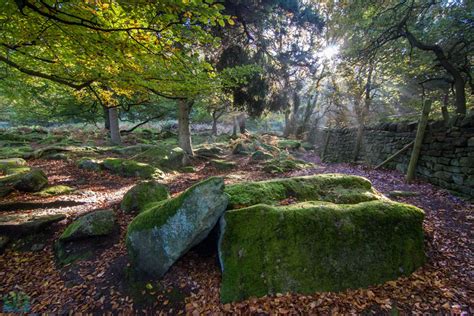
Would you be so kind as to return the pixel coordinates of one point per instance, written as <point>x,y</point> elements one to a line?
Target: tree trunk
<point>242,123</point>
<point>444,108</point>
<point>459,87</point>
<point>184,133</point>
<point>234,127</point>
<point>214,123</point>
<point>286,130</point>
<point>358,142</point>
<point>420,133</point>
<point>114,126</point>
<point>106,118</point>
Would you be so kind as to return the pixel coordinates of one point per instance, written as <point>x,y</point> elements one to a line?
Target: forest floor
<point>443,285</point>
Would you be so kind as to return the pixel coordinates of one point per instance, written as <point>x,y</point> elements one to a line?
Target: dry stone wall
<point>446,158</point>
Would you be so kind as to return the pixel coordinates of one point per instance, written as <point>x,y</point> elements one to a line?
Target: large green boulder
<point>130,168</point>
<point>143,194</point>
<point>97,223</point>
<point>336,188</point>
<point>157,237</point>
<point>317,246</point>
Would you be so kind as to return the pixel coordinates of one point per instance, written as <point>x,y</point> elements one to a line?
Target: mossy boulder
<point>317,246</point>
<point>97,223</point>
<point>209,151</point>
<point>15,151</point>
<point>289,144</point>
<point>260,155</point>
<point>89,164</point>
<point>32,181</point>
<point>55,190</point>
<point>336,188</point>
<point>11,163</point>
<point>19,224</point>
<point>130,168</point>
<point>22,179</point>
<point>157,237</point>
<point>222,165</point>
<point>142,194</point>
<point>285,164</point>
<point>167,156</point>
<point>243,148</point>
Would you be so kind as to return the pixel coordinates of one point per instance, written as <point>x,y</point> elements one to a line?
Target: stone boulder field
<point>339,234</point>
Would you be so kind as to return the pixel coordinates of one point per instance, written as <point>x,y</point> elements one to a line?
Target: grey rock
<point>159,236</point>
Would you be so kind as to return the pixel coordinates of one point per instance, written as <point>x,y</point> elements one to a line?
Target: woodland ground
<point>443,285</point>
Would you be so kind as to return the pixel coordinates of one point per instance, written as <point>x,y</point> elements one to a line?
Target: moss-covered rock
<point>167,156</point>
<point>260,155</point>
<point>398,193</point>
<point>15,151</point>
<point>89,164</point>
<point>157,237</point>
<point>336,188</point>
<point>282,164</point>
<point>142,194</point>
<point>23,179</point>
<point>55,190</point>
<point>317,246</point>
<point>188,169</point>
<point>32,181</point>
<point>11,163</point>
<point>289,144</point>
<point>97,223</point>
<point>209,151</point>
<point>19,224</point>
<point>130,168</point>
<point>222,165</point>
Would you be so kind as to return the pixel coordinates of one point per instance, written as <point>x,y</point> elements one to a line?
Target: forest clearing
<point>237,157</point>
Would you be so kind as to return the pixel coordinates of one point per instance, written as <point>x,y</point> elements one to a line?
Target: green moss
<point>55,190</point>
<point>222,165</point>
<point>97,223</point>
<point>283,164</point>
<point>89,163</point>
<point>16,170</point>
<point>130,168</point>
<point>11,163</point>
<point>289,144</point>
<point>317,246</point>
<point>336,188</point>
<point>142,194</point>
<point>188,169</point>
<point>13,152</point>
<point>261,155</point>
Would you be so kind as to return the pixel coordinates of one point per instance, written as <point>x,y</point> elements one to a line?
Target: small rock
<point>142,194</point>
<point>96,223</point>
